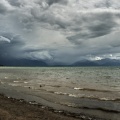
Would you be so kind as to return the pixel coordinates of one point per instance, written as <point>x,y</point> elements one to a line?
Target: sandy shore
<point>14,109</point>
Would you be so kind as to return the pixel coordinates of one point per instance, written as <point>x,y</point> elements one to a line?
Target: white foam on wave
<point>13,84</point>
<point>60,93</point>
<point>72,95</point>
<point>106,99</point>
<point>68,104</point>
<point>16,81</point>
<point>25,82</point>
<point>78,88</point>
<point>2,82</point>
<point>26,86</point>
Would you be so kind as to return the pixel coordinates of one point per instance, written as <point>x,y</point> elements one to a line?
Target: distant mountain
<point>85,63</point>
<point>34,63</point>
<point>22,62</point>
<point>103,62</point>
<point>108,62</point>
<point>58,64</point>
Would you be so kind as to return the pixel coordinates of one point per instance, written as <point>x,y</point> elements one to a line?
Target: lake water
<point>85,89</point>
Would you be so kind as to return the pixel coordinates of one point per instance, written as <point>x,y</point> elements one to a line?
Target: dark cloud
<point>5,7</point>
<point>15,3</point>
<point>94,31</point>
<point>106,3</point>
<point>78,39</point>
<point>10,45</point>
<point>68,19</point>
<point>96,25</point>
<point>65,30</point>
<point>50,2</point>
<point>4,39</point>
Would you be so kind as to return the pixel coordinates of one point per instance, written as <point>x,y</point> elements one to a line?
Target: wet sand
<point>13,109</point>
<point>18,109</point>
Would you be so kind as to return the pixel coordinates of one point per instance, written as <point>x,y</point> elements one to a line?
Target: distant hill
<point>108,62</point>
<point>23,62</point>
<point>103,62</point>
<point>85,63</point>
<point>27,62</point>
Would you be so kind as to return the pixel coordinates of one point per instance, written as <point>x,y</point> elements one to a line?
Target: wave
<point>25,82</point>
<point>16,81</point>
<point>91,108</point>
<point>2,82</point>
<point>82,96</point>
<point>12,84</point>
<point>57,86</point>
<point>60,93</point>
<point>87,97</point>
<point>90,89</point>
<point>106,109</point>
<point>102,99</point>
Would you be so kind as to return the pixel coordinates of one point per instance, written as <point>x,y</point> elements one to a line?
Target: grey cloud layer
<point>75,21</point>
<point>10,45</point>
<point>85,26</point>
<point>5,7</point>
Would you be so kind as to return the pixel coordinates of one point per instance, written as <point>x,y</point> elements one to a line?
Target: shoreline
<point>19,109</point>
<point>16,99</point>
<point>56,93</point>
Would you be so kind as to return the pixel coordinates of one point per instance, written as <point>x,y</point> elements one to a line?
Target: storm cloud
<point>59,30</point>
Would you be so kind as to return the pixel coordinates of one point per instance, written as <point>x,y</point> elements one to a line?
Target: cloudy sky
<point>59,30</point>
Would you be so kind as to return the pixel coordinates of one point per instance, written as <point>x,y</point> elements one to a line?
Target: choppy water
<point>78,87</point>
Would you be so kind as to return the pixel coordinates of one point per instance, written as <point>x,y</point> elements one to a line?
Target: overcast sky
<point>60,30</point>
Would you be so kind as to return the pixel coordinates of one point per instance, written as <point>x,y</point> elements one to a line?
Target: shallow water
<point>95,88</point>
